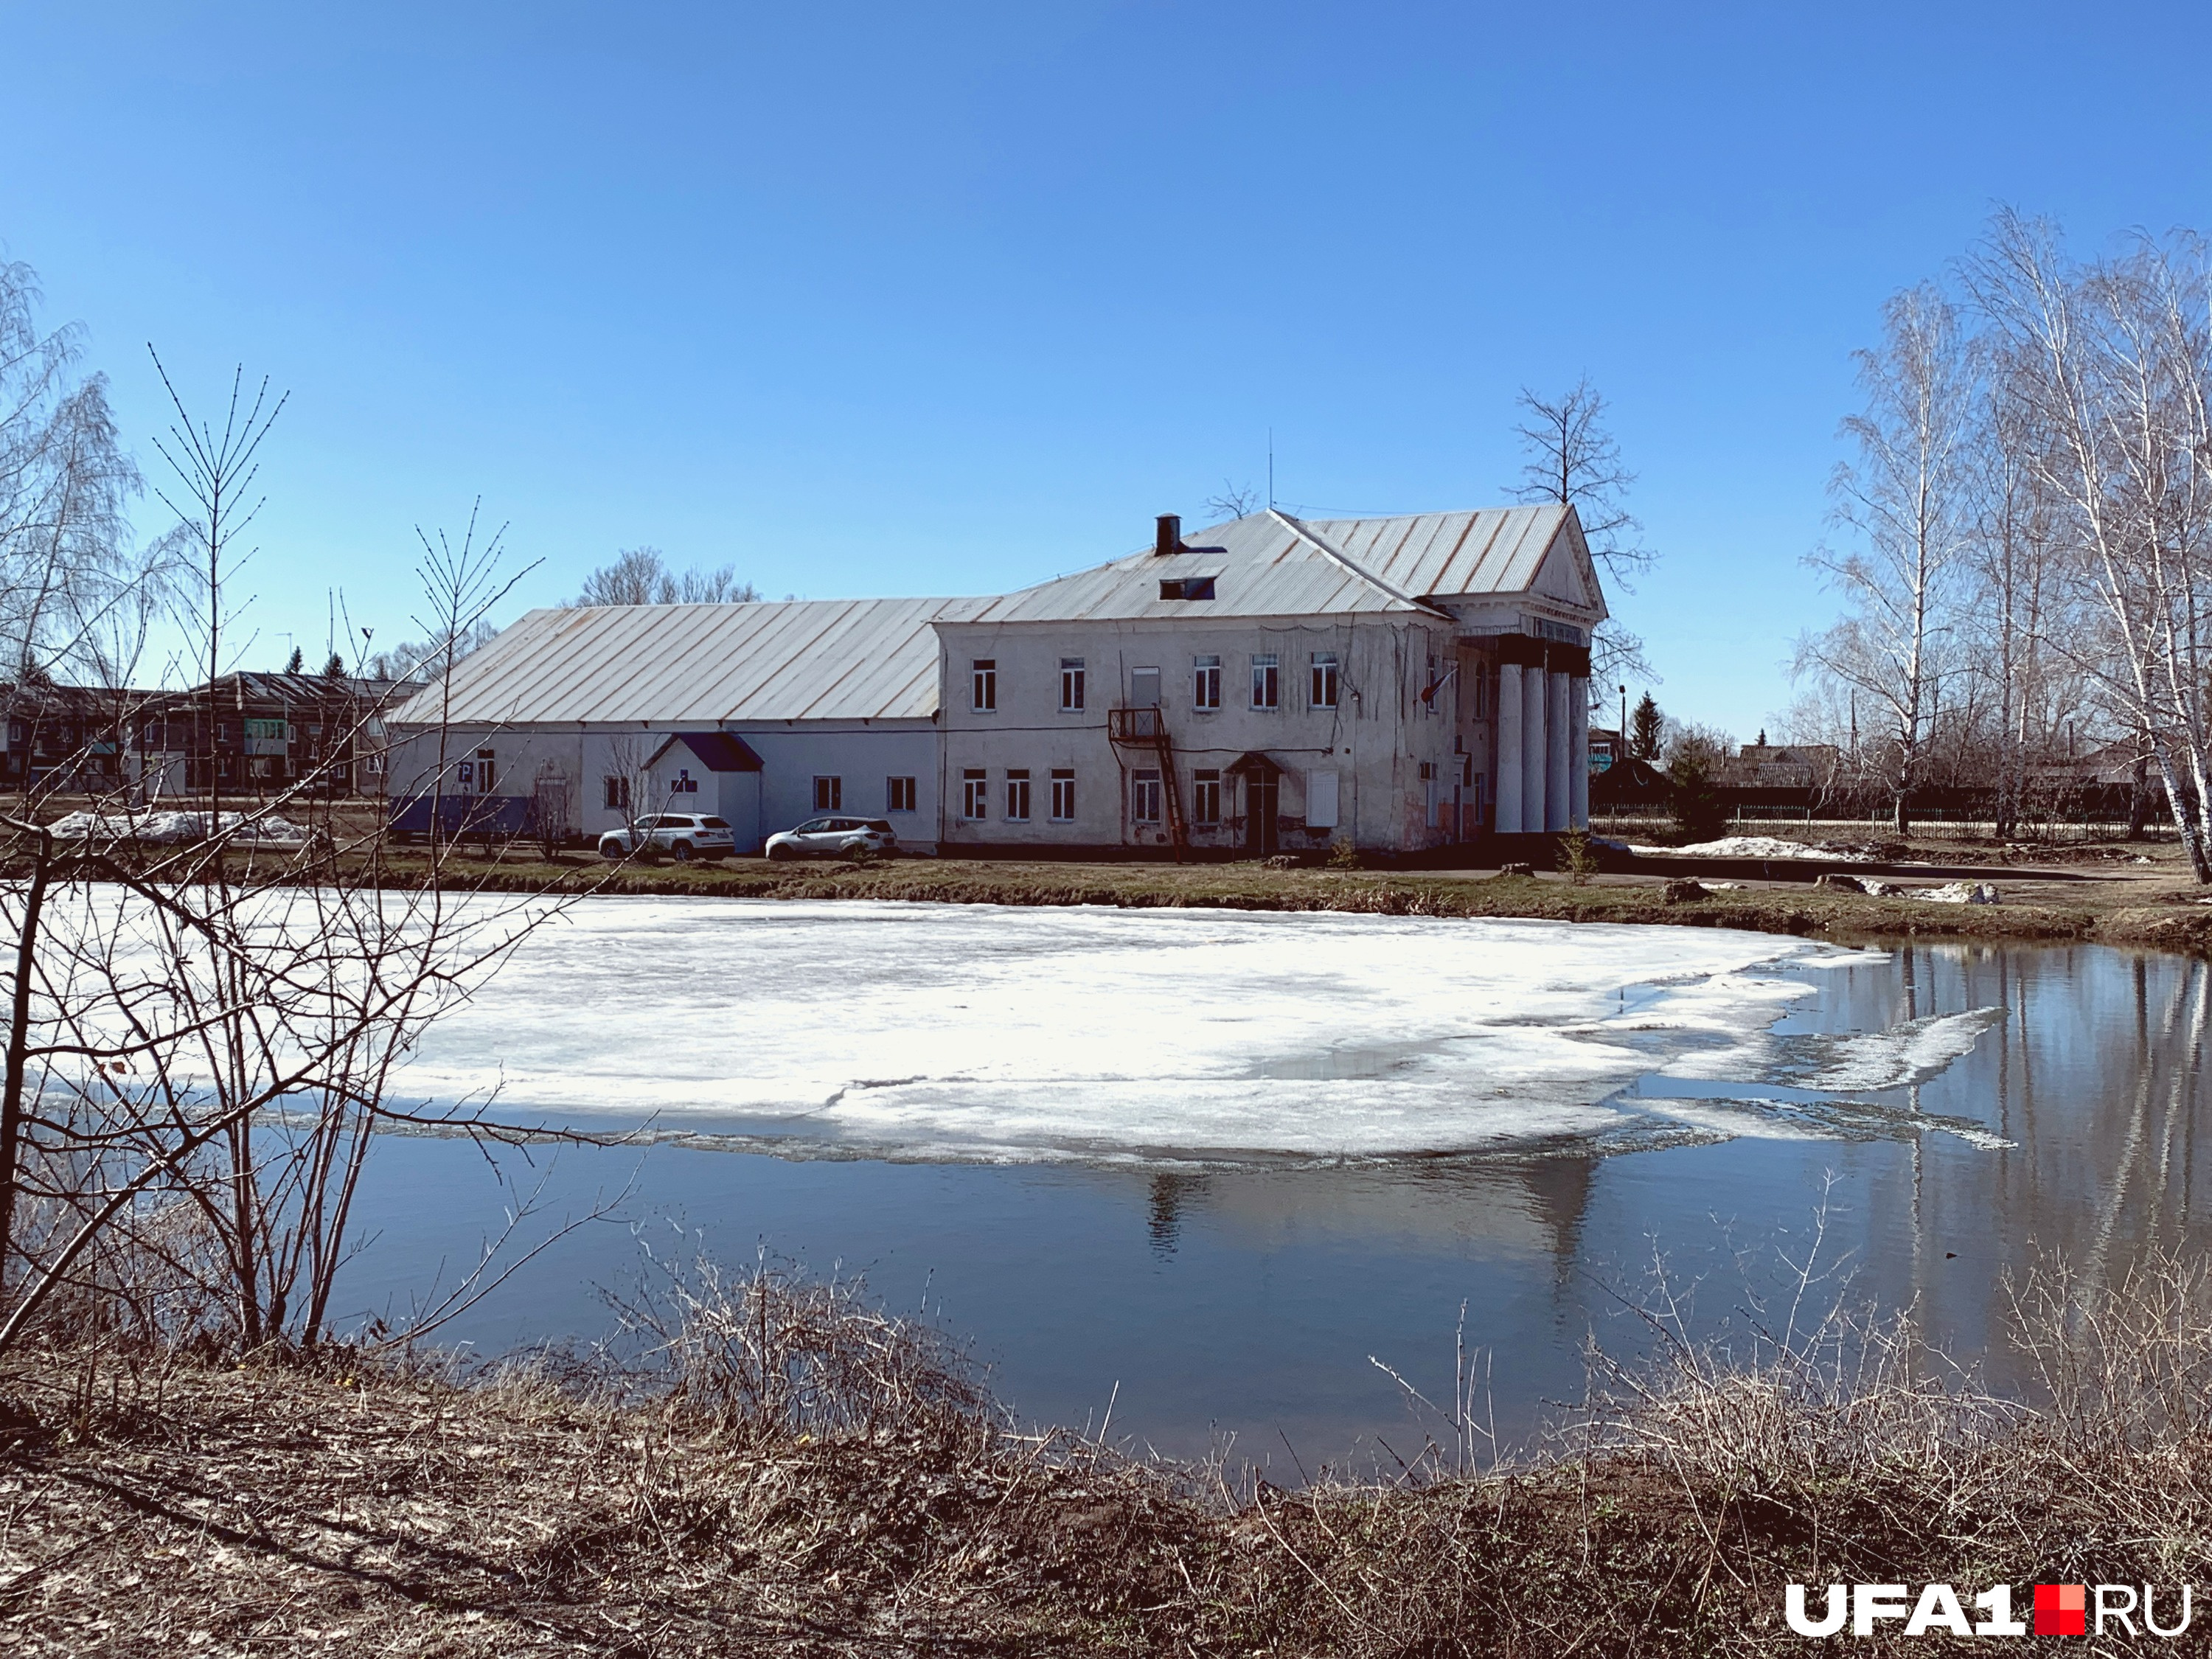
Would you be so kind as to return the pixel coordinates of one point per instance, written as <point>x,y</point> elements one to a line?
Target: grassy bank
<point>858,1494</point>
<point>2150,904</point>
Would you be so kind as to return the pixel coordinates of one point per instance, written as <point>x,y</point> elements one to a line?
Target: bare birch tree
<point>1907,496</point>
<point>74,599</point>
<point>2016,599</point>
<point>2112,358</point>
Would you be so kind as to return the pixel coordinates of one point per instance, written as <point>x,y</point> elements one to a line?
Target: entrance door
<point>1144,688</point>
<point>1262,797</point>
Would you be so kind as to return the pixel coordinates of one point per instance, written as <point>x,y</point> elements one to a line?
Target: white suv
<point>832,838</point>
<point>682,835</point>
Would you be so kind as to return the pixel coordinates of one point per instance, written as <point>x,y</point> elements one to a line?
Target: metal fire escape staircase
<point>1144,733</point>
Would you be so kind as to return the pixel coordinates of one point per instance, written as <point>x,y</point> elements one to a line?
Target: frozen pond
<point>1220,1159</point>
<point>979,1032</point>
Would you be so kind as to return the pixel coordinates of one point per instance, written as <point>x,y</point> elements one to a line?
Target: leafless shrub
<point>772,1351</point>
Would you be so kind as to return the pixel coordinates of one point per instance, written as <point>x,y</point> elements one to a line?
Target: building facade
<point>263,733</point>
<point>1266,685</point>
<point>836,698</point>
<point>1269,684</point>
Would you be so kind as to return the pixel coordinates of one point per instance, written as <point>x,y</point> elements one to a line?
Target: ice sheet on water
<point>993,1032</point>
<point>1844,1062</point>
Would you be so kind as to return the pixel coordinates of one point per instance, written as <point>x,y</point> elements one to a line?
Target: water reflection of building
<point>1531,1206</point>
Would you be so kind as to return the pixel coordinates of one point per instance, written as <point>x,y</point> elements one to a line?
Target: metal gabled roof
<point>1267,564</point>
<point>700,664</point>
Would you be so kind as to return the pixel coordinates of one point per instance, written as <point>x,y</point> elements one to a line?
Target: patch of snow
<point>1753,847</point>
<point>1957,892</point>
<point>171,827</point>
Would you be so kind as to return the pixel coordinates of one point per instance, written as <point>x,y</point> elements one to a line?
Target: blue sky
<point>893,299</point>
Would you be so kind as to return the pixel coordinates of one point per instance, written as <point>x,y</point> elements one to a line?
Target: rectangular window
<point>1266,681</point>
<point>1186,588</point>
<point>898,795</point>
<point>1205,682</point>
<point>1018,796</point>
<point>1063,795</point>
<point>1144,688</point>
<point>1071,685</point>
<point>617,794</point>
<point>1205,798</point>
<point>983,684</point>
<point>483,771</point>
<point>829,794</point>
<point>1428,791</point>
<point>1145,797</point>
<point>974,794</point>
<point>1324,679</point>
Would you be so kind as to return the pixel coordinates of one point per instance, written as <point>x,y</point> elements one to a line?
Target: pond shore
<point>2097,895</point>
<point>862,1495</point>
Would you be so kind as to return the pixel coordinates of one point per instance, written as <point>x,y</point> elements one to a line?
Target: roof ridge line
<point>1322,544</point>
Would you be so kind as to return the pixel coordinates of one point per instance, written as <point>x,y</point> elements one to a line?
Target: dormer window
<point>1186,588</point>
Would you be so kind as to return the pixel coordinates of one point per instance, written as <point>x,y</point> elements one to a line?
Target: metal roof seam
<point>1299,529</point>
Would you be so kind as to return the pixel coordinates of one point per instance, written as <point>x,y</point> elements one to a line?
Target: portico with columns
<point>1527,650</point>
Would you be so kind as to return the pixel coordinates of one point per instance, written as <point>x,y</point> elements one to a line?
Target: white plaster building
<point>836,698</point>
<point>1401,683</point>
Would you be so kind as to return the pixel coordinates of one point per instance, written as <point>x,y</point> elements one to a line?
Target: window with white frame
<point>1429,791</point>
<point>1145,797</point>
<point>1063,795</point>
<point>1266,680</point>
<point>829,794</point>
<point>483,771</point>
<point>1205,796</point>
<point>983,684</point>
<point>1018,795</point>
<point>898,795</point>
<point>1071,685</point>
<point>974,794</point>
<point>1322,692</point>
<point>1205,682</point>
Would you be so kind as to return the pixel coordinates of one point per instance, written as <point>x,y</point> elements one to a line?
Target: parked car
<point>682,835</point>
<point>834,838</point>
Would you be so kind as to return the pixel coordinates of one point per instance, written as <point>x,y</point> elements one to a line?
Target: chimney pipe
<point>1170,535</point>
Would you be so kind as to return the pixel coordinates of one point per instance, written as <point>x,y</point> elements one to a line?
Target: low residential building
<point>64,739</point>
<point>264,734</point>
<point>1402,684</point>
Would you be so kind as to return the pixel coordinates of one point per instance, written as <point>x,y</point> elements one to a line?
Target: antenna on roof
<point>1271,466</point>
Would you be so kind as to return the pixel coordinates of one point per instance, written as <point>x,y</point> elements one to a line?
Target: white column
<point>1558,785</point>
<point>1506,820</point>
<point>1578,753</point>
<point>1535,766</point>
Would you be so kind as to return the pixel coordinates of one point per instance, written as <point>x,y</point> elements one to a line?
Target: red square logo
<point>2062,1610</point>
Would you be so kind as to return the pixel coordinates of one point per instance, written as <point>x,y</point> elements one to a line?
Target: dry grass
<point>2123,905</point>
<point>782,1468</point>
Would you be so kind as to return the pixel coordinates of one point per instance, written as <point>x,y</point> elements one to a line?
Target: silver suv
<point>834,837</point>
<point>682,835</point>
